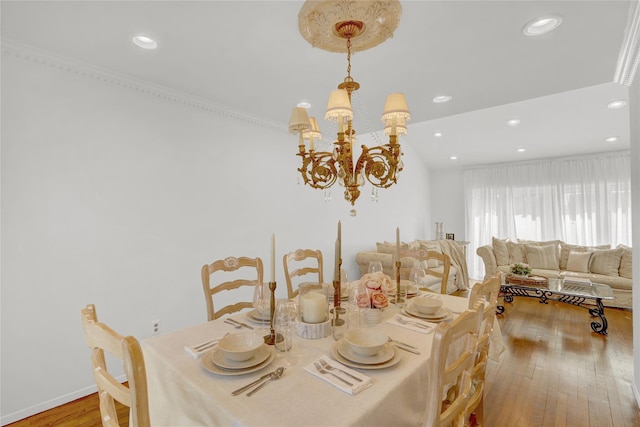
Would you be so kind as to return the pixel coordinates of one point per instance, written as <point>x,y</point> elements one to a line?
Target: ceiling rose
<point>319,23</point>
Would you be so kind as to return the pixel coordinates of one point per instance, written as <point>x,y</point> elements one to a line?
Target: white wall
<point>117,196</point>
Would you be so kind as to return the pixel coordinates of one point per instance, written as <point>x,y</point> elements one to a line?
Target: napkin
<point>197,350</point>
<point>411,326</point>
<point>357,386</point>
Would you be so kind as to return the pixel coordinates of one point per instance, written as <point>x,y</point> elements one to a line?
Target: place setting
<point>365,348</point>
<point>238,354</point>
<point>427,308</point>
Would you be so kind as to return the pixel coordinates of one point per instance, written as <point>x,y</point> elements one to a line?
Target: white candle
<point>273,257</point>
<point>314,307</point>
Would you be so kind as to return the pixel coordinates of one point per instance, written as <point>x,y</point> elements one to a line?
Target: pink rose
<point>362,300</point>
<point>379,300</point>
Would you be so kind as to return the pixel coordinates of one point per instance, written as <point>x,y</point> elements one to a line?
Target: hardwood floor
<point>555,372</point>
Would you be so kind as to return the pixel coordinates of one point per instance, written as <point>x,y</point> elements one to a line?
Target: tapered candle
<point>339,241</point>
<point>273,257</point>
<point>398,242</point>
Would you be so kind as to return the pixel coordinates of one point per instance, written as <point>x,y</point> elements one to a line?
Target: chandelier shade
<point>299,120</point>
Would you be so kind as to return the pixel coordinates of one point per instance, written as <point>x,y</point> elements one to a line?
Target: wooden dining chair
<point>230,264</point>
<point>452,357</point>
<point>310,264</point>
<point>423,256</point>
<point>486,293</point>
<point>101,338</point>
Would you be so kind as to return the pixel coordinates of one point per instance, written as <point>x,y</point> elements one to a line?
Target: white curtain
<point>579,200</point>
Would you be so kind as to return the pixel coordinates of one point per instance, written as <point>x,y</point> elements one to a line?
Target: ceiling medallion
<point>379,20</point>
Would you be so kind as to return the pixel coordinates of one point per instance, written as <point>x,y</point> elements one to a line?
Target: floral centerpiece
<point>378,286</point>
<point>520,269</point>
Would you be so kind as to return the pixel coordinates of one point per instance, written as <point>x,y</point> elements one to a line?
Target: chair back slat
<point>315,269</point>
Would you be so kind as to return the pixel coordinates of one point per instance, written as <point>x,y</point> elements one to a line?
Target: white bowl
<point>427,305</point>
<point>240,347</point>
<point>365,342</point>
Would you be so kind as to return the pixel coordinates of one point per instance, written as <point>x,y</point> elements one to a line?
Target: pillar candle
<point>314,307</point>
<point>273,257</point>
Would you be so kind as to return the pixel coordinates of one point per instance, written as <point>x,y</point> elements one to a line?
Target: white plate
<point>384,355</point>
<point>260,356</point>
<point>255,316</point>
<point>442,314</point>
<point>336,355</point>
<point>207,363</point>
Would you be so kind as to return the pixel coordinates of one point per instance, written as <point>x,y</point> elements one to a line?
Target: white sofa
<point>385,250</point>
<point>600,264</point>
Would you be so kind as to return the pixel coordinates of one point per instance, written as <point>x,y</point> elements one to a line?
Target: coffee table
<point>579,294</point>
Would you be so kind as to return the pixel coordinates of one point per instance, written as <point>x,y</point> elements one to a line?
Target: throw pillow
<point>386,248</point>
<point>542,257</point>
<point>625,262</point>
<point>516,253</point>
<point>501,250</point>
<point>578,261</point>
<point>565,248</point>
<point>606,262</point>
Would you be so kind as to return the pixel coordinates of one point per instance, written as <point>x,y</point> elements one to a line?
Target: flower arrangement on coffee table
<point>378,285</point>
<point>520,269</point>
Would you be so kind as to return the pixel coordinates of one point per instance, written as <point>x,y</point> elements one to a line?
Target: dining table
<point>183,393</point>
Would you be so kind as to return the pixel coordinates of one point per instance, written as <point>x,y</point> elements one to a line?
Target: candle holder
<point>337,293</point>
<point>271,338</point>
<point>313,311</point>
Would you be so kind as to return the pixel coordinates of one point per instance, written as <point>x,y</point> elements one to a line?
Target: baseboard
<point>49,404</point>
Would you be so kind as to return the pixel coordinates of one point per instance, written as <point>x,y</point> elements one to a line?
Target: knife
<point>248,386</point>
<point>403,347</point>
<point>403,343</point>
<point>239,323</point>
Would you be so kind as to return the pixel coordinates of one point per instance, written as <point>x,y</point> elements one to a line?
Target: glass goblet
<point>285,317</point>
<point>261,302</point>
<point>375,266</point>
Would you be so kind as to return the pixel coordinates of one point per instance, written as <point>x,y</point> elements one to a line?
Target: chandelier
<point>346,26</point>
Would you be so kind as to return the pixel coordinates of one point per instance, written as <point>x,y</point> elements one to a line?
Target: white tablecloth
<point>182,393</point>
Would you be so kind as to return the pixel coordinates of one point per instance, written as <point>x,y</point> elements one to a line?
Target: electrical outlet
<point>155,327</point>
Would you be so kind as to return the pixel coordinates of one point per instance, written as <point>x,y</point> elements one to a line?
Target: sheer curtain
<point>579,200</point>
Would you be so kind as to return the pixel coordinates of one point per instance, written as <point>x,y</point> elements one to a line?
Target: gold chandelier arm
<point>380,165</point>
<point>318,169</point>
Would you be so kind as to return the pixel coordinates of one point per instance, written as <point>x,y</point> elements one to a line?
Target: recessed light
<point>540,26</point>
<point>453,158</point>
<point>437,134</point>
<point>144,42</point>
<point>521,150</point>
<point>513,122</point>
<point>612,139</point>
<point>304,105</point>
<point>442,98</point>
<point>618,103</point>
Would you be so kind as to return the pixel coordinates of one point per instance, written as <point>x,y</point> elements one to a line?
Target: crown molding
<point>47,59</point>
<point>629,55</point>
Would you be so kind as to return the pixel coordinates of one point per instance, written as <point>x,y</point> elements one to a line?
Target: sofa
<point>555,258</point>
<point>457,279</point>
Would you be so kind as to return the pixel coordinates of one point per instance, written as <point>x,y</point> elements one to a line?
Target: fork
<point>324,372</point>
<point>411,322</point>
<point>328,367</point>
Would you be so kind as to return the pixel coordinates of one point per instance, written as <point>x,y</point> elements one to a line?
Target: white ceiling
<point>249,56</point>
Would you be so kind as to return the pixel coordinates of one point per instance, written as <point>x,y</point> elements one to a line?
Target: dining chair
<point>452,359</point>
<point>309,262</point>
<point>486,293</point>
<point>101,338</point>
<point>423,256</point>
<point>230,264</point>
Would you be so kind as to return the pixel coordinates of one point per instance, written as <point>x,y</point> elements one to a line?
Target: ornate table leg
<point>598,327</point>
